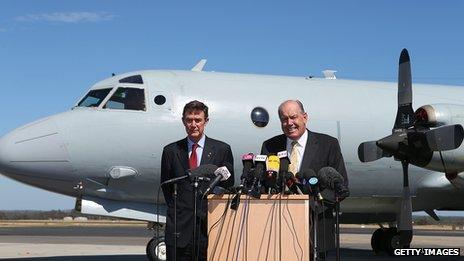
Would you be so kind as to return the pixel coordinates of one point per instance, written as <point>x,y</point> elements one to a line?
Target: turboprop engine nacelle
<point>436,115</point>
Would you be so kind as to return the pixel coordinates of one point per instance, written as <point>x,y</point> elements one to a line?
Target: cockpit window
<point>127,99</point>
<point>94,98</point>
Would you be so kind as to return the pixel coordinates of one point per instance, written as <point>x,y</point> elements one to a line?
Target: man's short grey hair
<point>287,101</point>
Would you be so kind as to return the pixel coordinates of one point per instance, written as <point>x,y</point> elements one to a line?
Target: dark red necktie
<point>193,157</point>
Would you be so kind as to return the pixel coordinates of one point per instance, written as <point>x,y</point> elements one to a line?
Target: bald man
<point>307,150</point>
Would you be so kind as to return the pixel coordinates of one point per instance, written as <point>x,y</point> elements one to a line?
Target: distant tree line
<point>46,215</point>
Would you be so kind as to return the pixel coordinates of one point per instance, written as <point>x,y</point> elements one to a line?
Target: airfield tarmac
<point>77,242</point>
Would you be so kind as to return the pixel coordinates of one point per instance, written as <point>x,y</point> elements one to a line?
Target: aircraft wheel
<point>392,241</point>
<point>156,249</point>
<point>377,241</point>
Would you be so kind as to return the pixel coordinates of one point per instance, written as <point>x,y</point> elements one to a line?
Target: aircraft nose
<point>34,149</point>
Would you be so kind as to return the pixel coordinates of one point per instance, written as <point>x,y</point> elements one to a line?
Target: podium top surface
<point>263,197</point>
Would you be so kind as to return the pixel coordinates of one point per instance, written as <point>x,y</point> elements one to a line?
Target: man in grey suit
<point>307,150</point>
<point>178,157</point>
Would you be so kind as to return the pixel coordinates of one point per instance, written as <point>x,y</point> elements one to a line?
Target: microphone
<point>247,172</point>
<point>247,175</point>
<point>283,170</point>
<point>272,168</point>
<point>247,160</point>
<point>284,161</point>
<point>310,181</point>
<point>201,171</point>
<point>259,161</point>
<point>314,185</point>
<point>293,185</point>
<point>330,178</point>
<point>255,189</point>
<point>174,180</point>
<point>222,173</point>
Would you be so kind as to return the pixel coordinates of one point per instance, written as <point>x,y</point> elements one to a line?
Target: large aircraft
<point>106,150</point>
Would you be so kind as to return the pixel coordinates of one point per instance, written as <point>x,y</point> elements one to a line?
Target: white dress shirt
<point>300,147</point>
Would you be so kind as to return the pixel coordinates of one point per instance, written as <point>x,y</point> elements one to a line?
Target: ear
<point>306,117</point>
<point>206,120</point>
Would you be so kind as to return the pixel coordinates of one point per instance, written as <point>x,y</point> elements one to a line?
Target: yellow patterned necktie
<point>293,167</point>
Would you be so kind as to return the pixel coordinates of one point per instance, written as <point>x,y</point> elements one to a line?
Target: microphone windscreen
<point>247,160</point>
<point>259,161</point>
<point>305,174</point>
<point>329,176</point>
<point>203,170</point>
<point>248,156</point>
<point>284,160</point>
<point>273,163</point>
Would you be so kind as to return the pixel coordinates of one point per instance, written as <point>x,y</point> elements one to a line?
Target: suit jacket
<point>175,163</point>
<point>321,151</point>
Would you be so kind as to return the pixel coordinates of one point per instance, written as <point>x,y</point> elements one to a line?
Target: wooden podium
<point>274,227</point>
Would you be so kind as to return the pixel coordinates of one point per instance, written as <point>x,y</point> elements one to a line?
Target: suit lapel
<point>182,153</point>
<point>310,150</point>
<point>208,152</point>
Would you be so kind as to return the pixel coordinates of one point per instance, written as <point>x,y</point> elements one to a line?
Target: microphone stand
<point>175,221</point>
<point>313,216</point>
<point>337,227</point>
<point>195,198</point>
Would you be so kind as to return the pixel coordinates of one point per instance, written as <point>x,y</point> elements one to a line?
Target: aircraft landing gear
<point>156,249</point>
<point>389,239</point>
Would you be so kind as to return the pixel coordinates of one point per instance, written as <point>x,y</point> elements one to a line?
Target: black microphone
<point>293,184</point>
<point>174,180</point>
<point>247,160</point>
<point>310,181</point>
<point>255,189</point>
<point>201,171</point>
<point>259,161</point>
<point>332,179</point>
<point>283,169</point>
<point>247,175</point>
<point>222,174</point>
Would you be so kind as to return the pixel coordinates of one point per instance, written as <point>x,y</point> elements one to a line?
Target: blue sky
<point>52,51</point>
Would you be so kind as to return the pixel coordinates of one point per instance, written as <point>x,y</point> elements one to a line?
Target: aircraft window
<point>160,99</point>
<point>132,79</point>
<point>260,117</point>
<point>94,98</point>
<point>127,99</point>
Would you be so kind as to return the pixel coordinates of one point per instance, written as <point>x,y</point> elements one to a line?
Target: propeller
<point>410,142</point>
<point>410,139</point>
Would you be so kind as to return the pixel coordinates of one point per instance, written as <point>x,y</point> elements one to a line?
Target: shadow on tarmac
<point>346,255</point>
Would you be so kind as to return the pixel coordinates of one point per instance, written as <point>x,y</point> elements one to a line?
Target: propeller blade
<point>405,116</point>
<point>369,151</point>
<point>392,143</point>
<point>445,138</point>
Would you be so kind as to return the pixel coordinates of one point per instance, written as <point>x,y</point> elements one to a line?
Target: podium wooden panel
<point>259,228</point>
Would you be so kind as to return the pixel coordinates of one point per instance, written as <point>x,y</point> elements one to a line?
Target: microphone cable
<point>291,225</point>
<point>280,225</point>
<point>323,225</point>
<point>215,224</point>
<point>243,227</point>
<point>230,236</point>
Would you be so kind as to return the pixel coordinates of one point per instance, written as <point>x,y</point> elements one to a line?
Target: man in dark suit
<point>178,157</point>
<point>307,150</point>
